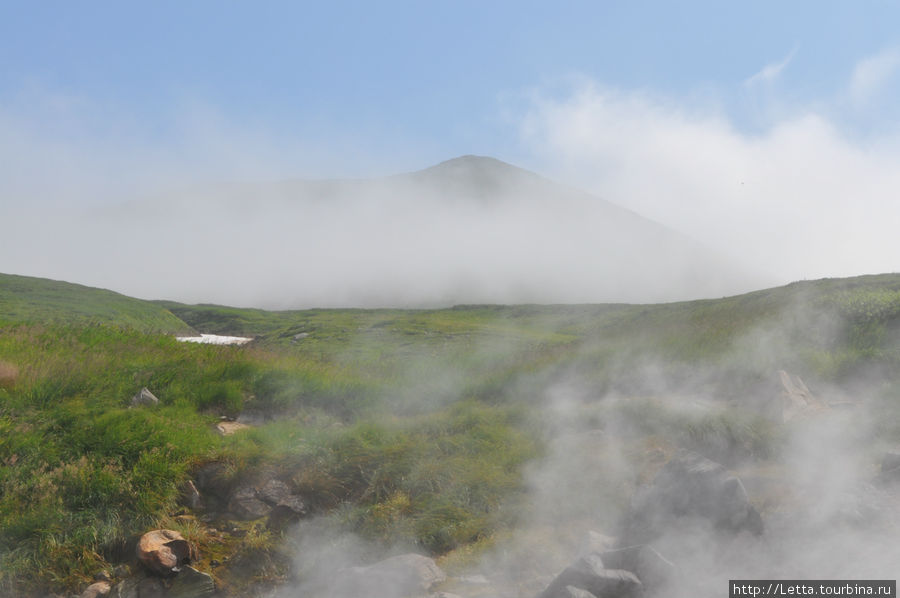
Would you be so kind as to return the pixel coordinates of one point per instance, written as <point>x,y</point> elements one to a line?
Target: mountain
<point>468,230</point>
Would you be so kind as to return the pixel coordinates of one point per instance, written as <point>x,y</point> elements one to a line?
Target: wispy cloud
<point>872,74</point>
<point>771,71</point>
<point>799,198</point>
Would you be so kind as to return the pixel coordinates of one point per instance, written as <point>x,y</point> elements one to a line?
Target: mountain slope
<point>24,299</point>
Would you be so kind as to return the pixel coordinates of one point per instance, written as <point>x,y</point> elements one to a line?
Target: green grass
<point>404,426</point>
<point>38,300</point>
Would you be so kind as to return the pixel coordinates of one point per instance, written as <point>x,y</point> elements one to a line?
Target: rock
<point>151,588</point>
<point>148,587</point>
<point>286,512</point>
<point>95,590</point>
<point>102,575</point>
<point>573,592</point>
<point>395,577</point>
<point>191,496</point>
<point>213,480</point>
<point>227,428</point>
<point>689,486</point>
<point>245,504</point>
<point>144,397</point>
<point>653,569</point>
<point>190,583</point>
<point>286,506</point>
<point>589,574</point>
<point>164,552</point>
<point>796,399</point>
<point>121,571</point>
<point>125,589</point>
<point>274,491</point>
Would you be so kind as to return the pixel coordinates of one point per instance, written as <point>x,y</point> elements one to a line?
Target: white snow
<point>215,339</point>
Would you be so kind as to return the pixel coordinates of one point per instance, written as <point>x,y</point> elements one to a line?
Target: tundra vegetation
<point>413,428</point>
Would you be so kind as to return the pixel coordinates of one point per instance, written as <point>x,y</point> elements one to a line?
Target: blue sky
<point>397,85</point>
<point>765,130</point>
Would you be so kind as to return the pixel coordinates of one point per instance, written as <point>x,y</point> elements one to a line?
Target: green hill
<point>24,299</point>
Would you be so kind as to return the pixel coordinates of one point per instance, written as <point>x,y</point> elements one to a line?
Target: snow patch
<point>215,339</point>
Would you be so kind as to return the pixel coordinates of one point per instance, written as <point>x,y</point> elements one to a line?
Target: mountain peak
<point>477,176</point>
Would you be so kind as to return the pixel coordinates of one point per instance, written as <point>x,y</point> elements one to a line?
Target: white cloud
<point>799,199</point>
<point>771,71</point>
<point>872,74</point>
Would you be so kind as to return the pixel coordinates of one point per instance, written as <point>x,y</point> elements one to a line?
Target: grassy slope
<point>404,425</point>
<point>38,300</point>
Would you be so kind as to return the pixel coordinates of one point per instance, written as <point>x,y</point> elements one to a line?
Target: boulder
<point>589,574</point>
<point>214,482</point>
<point>689,486</point>
<point>287,511</point>
<point>287,507</point>
<point>164,552</point>
<point>190,583</point>
<point>395,577</point>
<point>144,397</point>
<point>274,491</point>
<point>96,590</point>
<point>653,569</point>
<point>151,588</point>
<point>245,504</point>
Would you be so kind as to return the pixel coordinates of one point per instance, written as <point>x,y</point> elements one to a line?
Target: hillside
<point>29,300</point>
<point>487,436</point>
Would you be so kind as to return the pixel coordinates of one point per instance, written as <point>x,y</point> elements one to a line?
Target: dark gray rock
<point>151,588</point>
<point>287,511</point>
<point>588,573</point>
<point>653,569</point>
<point>190,583</point>
<point>191,496</point>
<point>274,491</point>
<point>245,504</point>
<point>689,486</point>
<point>214,482</point>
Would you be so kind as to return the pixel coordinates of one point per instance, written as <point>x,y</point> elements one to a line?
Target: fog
<point>471,230</point>
<point>206,210</point>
